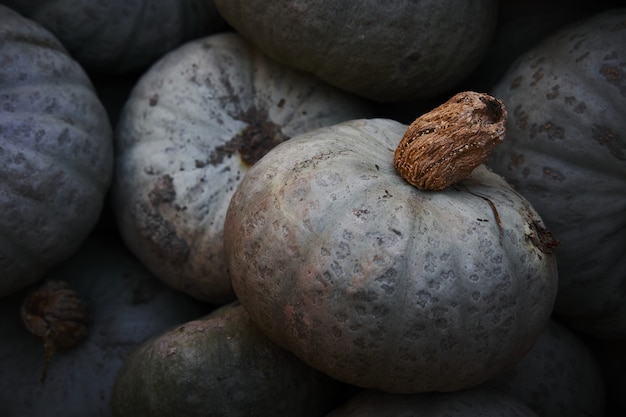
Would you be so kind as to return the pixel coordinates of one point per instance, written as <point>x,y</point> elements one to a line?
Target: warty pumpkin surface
<point>56,152</point>
<point>191,128</point>
<point>565,151</point>
<point>363,276</point>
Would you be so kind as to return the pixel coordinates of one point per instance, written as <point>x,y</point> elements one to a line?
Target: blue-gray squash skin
<point>376,283</point>
<point>56,153</point>
<point>565,151</point>
<point>122,36</point>
<point>393,51</point>
<point>189,131</point>
<point>219,365</point>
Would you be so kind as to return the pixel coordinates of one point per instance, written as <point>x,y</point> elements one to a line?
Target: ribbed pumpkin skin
<point>565,151</point>
<point>376,283</point>
<point>119,36</point>
<point>385,51</point>
<point>220,365</point>
<point>187,134</point>
<point>56,153</point>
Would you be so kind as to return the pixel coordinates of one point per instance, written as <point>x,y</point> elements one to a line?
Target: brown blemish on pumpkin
<point>609,139</point>
<point>553,174</point>
<point>614,75</point>
<point>252,143</point>
<point>554,93</point>
<point>153,100</point>
<point>521,117</point>
<point>537,76</point>
<point>155,229</point>
<point>552,130</point>
<point>542,238</point>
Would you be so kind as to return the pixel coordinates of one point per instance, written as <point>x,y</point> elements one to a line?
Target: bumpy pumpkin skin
<point>218,365</point>
<point>376,283</point>
<point>126,305</point>
<point>120,36</point>
<point>56,153</point>
<point>391,51</point>
<point>189,131</point>
<point>565,151</point>
<point>476,402</point>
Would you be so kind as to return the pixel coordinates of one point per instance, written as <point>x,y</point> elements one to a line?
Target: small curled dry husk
<point>55,313</point>
<point>443,146</point>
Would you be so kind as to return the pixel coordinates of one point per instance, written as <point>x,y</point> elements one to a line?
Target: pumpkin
<point>376,283</point>
<point>403,50</point>
<point>192,126</point>
<point>218,365</point>
<point>475,402</point>
<point>121,36</point>
<point>125,305</point>
<point>558,377</point>
<point>566,153</point>
<point>56,153</point>
<point>521,25</point>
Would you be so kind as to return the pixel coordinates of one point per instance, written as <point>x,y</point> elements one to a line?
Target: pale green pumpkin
<point>381,285</point>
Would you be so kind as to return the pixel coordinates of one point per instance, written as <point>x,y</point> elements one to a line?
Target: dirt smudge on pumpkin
<point>542,238</point>
<point>614,75</point>
<point>157,231</point>
<point>609,139</point>
<point>252,142</point>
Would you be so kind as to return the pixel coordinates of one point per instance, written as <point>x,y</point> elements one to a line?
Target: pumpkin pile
<point>316,208</point>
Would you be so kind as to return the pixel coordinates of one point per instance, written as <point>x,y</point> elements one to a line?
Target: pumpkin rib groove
<point>401,290</point>
<point>83,170</point>
<point>196,122</point>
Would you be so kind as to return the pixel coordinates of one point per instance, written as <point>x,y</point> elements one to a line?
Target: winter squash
<point>403,50</point>
<point>559,376</point>
<point>376,283</point>
<point>192,126</point>
<point>475,402</point>
<point>566,154</point>
<point>56,153</point>
<point>120,36</point>
<point>125,305</point>
<point>218,365</point>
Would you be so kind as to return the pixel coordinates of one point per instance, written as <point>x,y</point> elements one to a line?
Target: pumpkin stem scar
<point>496,215</point>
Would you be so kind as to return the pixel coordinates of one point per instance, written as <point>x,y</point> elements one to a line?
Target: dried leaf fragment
<point>56,314</point>
<point>443,146</point>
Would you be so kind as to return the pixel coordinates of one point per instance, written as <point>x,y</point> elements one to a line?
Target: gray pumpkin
<point>191,128</point>
<point>119,36</point>
<point>384,51</point>
<point>363,276</point>
<point>56,153</point>
<point>565,152</point>
<point>218,365</point>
